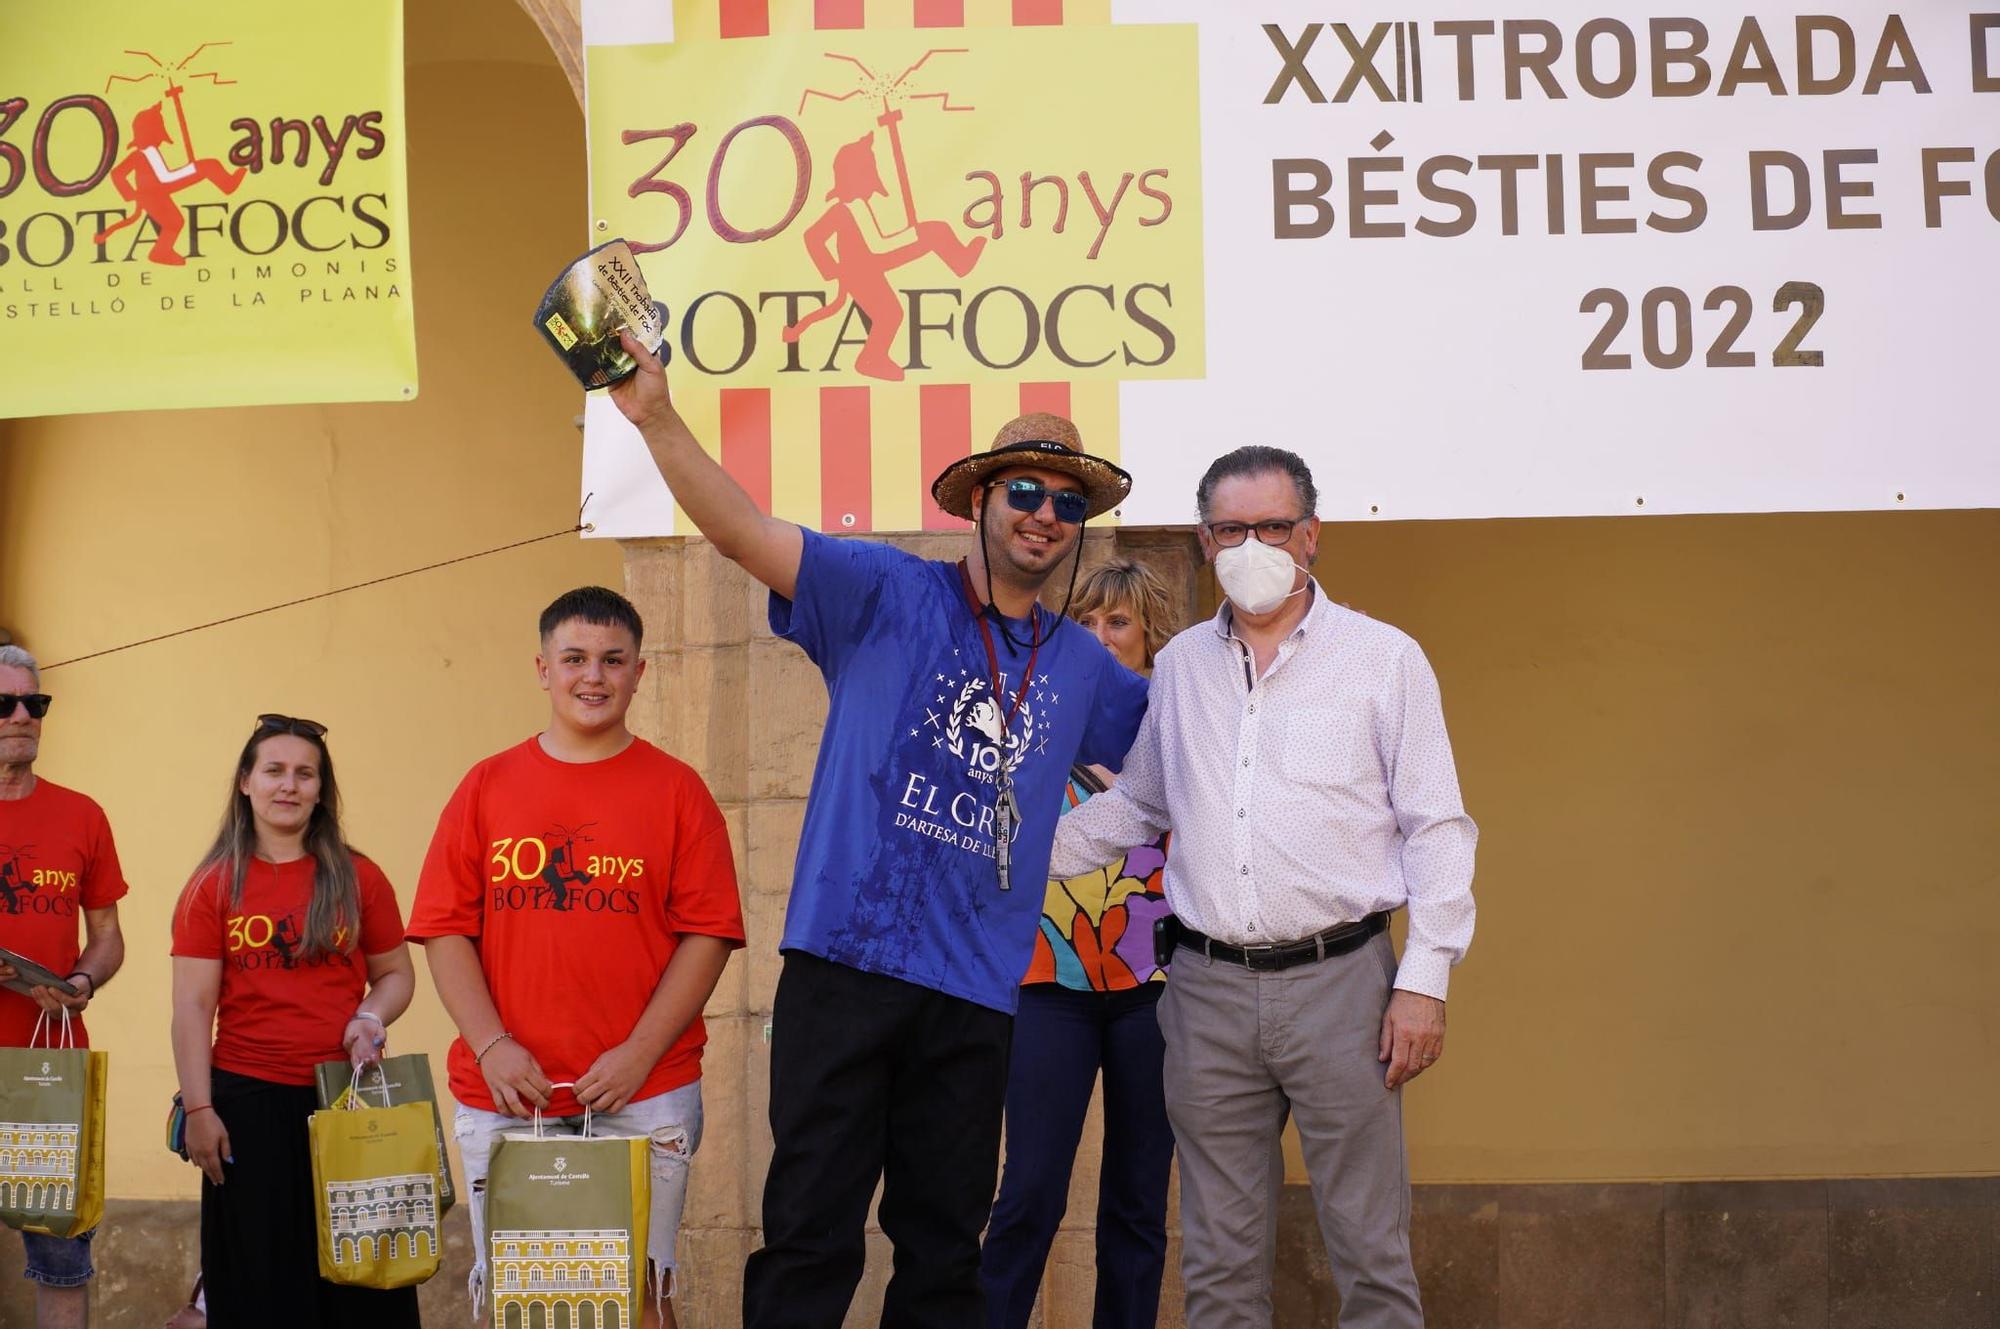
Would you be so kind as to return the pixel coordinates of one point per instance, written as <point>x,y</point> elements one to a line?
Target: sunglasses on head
<point>1027,495</point>
<point>36,702</point>
<point>290,724</point>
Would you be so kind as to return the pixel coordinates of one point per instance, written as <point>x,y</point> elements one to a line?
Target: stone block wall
<point>1892,1253</point>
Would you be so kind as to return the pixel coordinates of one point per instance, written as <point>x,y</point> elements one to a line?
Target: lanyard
<point>993,656</point>
<point>1005,811</point>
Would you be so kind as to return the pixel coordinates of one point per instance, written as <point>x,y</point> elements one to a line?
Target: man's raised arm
<point>767,548</point>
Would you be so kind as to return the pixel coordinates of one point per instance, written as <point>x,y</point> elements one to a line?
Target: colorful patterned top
<point>1097,930</point>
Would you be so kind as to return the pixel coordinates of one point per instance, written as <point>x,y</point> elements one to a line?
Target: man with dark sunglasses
<point>957,705</point>
<point>57,861</point>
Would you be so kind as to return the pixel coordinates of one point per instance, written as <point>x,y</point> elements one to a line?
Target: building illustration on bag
<point>366,1218</point>
<point>38,1165</point>
<point>578,1277</point>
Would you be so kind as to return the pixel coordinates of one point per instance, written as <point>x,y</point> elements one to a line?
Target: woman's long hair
<point>333,919</point>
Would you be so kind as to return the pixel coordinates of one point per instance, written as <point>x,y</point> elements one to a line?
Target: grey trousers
<point>1243,1050</point>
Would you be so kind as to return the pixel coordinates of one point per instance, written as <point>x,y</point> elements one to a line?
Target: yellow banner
<point>202,204</point>
<point>945,206</point>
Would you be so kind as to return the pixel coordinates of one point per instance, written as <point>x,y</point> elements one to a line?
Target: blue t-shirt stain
<point>895,872</point>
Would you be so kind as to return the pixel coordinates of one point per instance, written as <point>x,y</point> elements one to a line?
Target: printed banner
<point>1468,264</point>
<point>202,204</point>
<point>881,205</point>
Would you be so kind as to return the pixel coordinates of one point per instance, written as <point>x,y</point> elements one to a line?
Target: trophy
<point>585,307</point>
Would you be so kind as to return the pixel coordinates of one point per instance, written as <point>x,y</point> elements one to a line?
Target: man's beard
<point>1027,578</point>
<point>1030,581</point>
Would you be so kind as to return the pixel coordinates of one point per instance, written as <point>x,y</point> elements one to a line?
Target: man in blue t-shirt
<point>957,705</point>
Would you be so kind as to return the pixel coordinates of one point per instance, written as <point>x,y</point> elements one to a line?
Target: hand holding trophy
<point>599,297</point>
<point>642,395</point>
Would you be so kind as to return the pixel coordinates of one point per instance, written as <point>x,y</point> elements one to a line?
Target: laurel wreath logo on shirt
<point>983,714</point>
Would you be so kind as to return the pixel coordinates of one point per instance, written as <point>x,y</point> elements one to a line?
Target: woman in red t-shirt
<point>288,947</point>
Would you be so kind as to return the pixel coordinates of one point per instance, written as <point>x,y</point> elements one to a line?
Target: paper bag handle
<point>42,1022</point>
<point>563,1084</point>
<point>350,1098</point>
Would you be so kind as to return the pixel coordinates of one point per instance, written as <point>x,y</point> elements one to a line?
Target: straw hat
<point>1040,440</point>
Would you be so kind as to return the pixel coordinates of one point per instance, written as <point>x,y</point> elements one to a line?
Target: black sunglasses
<point>1027,496</point>
<point>36,702</point>
<point>290,724</point>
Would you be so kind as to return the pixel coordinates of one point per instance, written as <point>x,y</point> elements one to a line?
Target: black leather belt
<point>1284,955</point>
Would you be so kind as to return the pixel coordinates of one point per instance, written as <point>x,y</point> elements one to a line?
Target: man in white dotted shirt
<point>1298,751</point>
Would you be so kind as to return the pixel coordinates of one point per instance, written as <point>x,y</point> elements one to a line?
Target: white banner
<point>1583,261</point>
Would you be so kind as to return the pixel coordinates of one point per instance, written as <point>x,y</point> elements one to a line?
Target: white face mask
<point>1255,576</point>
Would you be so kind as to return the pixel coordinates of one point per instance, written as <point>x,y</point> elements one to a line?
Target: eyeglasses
<point>1027,495</point>
<point>36,702</point>
<point>291,724</point>
<point>1274,532</point>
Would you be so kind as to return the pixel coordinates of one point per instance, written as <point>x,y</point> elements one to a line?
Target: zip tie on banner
<point>581,526</point>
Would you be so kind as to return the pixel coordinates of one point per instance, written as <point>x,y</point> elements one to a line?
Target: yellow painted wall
<point>1738,780</point>
<point>118,527</point>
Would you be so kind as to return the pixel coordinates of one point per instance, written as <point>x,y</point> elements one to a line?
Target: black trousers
<point>259,1248</point>
<point>876,1079</point>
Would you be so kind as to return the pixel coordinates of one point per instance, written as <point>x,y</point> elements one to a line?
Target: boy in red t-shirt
<point>577,907</point>
<point>56,861</point>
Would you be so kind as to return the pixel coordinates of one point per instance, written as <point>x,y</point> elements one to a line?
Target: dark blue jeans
<point>1062,1038</point>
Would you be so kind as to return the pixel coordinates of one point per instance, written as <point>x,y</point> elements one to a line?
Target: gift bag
<point>52,1133</point>
<point>375,1194</point>
<point>566,1227</point>
<point>405,1079</point>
